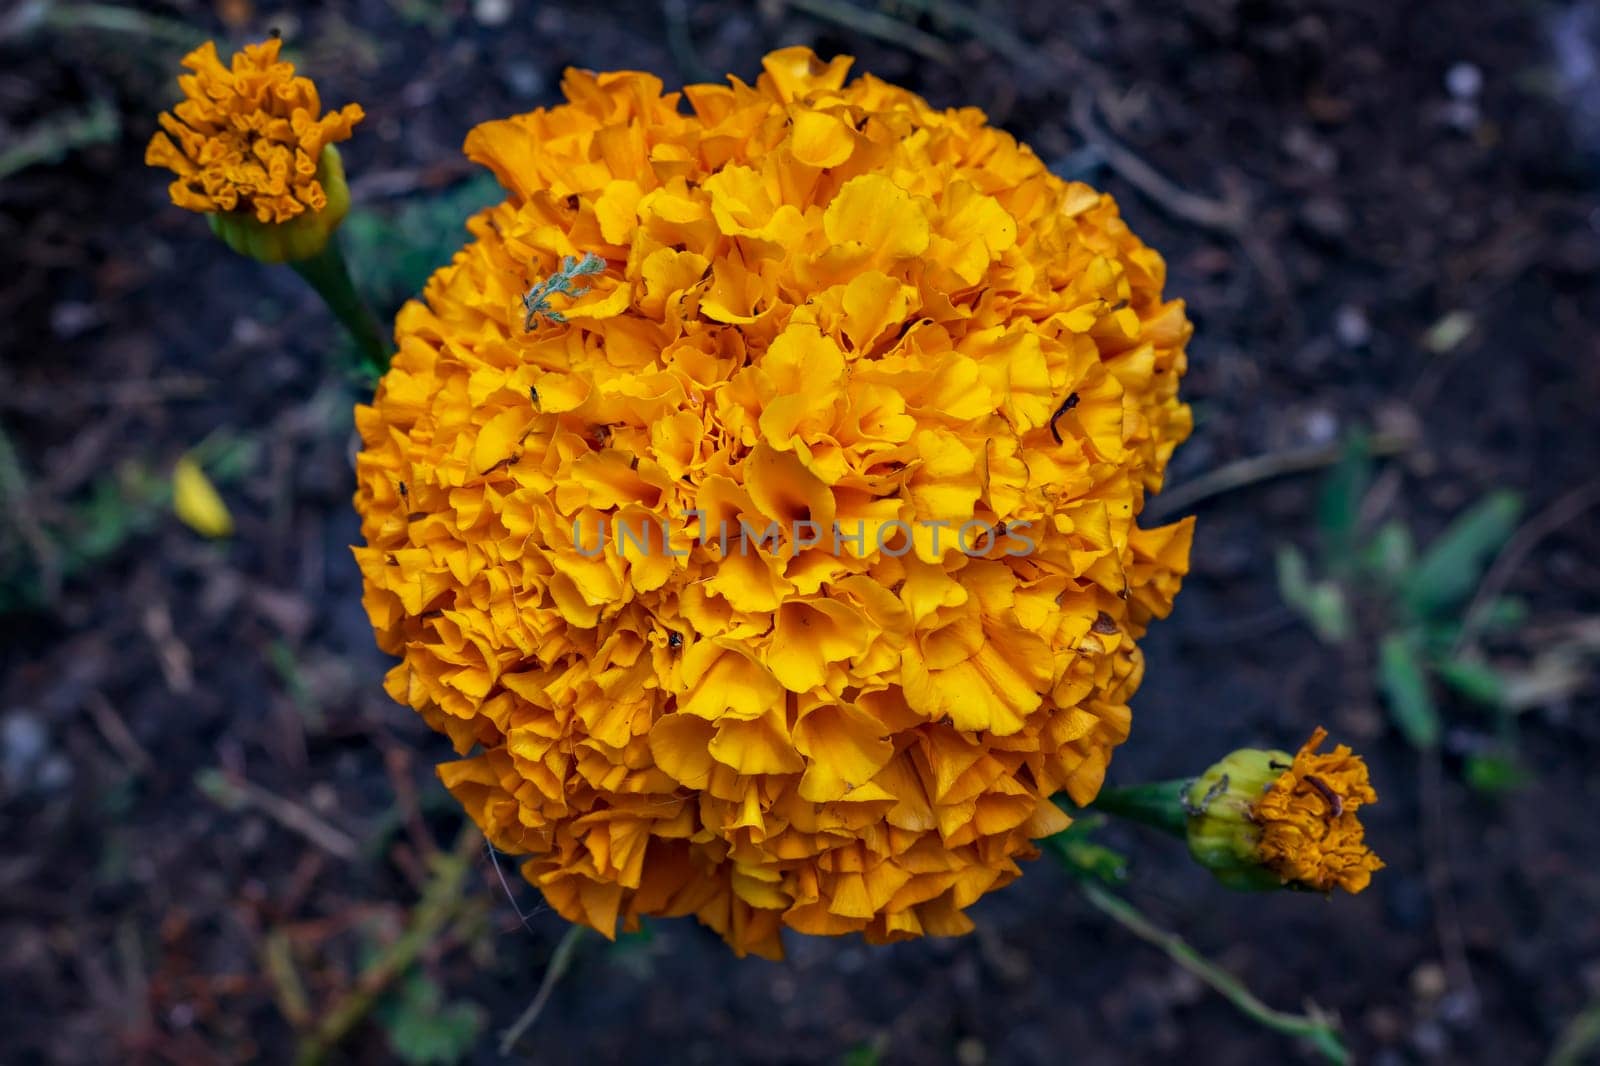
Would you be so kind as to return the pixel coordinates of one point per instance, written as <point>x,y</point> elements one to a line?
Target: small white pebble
<point>1351,326</point>
<point>492,12</point>
<point>1321,427</point>
<point>1464,81</point>
<point>55,774</point>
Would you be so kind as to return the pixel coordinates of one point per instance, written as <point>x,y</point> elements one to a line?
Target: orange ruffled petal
<point>1310,833</point>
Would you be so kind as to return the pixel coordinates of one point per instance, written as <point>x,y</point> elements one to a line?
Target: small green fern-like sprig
<point>536,301</point>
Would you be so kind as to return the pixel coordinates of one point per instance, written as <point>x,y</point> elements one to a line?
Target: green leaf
<point>644,935</point>
<point>1321,603</point>
<point>1448,573</point>
<point>51,139</point>
<point>1449,331</point>
<point>1391,554</point>
<point>227,457</point>
<point>1405,687</point>
<point>1478,681</point>
<point>1339,504</point>
<point>425,1031</point>
<point>392,252</point>
<point>1505,613</point>
<point>862,1055</point>
<point>1495,773</point>
<point>1085,859</point>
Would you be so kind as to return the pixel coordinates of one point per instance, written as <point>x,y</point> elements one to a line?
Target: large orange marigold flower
<point>821,310</point>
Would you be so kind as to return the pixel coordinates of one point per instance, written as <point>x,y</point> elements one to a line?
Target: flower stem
<point>560,962</point>
<point>441,905</point>
<point>1580,1036</point>
<point>1321,1031</point>
<point>326,272</point>
<point>1158,805</point>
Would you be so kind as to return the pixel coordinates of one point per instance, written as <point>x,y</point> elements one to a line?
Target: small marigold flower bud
<point>1263,819</point>
<point>251,148</point>
<point>303,236</point>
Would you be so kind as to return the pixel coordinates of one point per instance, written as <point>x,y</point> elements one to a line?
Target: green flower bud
<point>302,237</point>
<point>1222,833</point>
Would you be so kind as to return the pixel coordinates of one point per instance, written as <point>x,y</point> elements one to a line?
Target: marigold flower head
<point>1261,819</point>
<point>813,307</point>
<point>251,147</point>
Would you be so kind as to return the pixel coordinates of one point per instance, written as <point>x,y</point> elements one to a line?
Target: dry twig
<point>1436,871</point>
<point>877,24</point>
<point>1000,39</point>
<point>1244,472</point>
<point>116,732</point>
<point>1516,550</point>
<point>1226,216</point>
<point>237,794</point>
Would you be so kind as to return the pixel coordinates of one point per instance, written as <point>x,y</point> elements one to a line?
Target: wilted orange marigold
<point>249,137</point>
<point>1311,835</point>
<point>802,301</point>
<point>1263,819</point>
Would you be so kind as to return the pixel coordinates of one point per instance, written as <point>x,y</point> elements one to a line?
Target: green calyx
<point>302,237</point>
<point>1221,831</point>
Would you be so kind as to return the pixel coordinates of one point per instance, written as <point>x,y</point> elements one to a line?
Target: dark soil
<point>1404,164</point>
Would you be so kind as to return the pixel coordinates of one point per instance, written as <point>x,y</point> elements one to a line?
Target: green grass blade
<point>1404,681</point>
<point>1448,572</point>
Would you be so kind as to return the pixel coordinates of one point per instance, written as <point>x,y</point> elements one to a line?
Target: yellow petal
<point>680,745</point>
<point>666,273</point>
<point>850,744</point>
<point>498,438</point>
<point>756,746</point>
<point>197,502</point>
<point>786,492</point>
<point>617,210</point>
<point>820,139</point>
<point>599,302</point>
<point>873,302</point>
<point>725,683</point>
<point>874,212</point>
<point>977,227</point>
<point>743,206</point>
<point>808,636</point>
<point>797,71</point>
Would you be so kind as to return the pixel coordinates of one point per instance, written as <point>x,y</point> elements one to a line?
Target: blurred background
<point>1384,217</point>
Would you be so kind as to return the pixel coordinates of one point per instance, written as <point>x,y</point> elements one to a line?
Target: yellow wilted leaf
<point>197,502</point>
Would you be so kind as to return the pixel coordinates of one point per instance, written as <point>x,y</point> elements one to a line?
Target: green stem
<point>112,18</point>
<point>326,272</point>
<point>1158,805</point>
<point>442,902</point>
<point>560,962</point>
<point>1322,1032</point>
<point>1580,1036</point>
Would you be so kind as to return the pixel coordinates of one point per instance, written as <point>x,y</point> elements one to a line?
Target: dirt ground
<point>1384,216</point>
